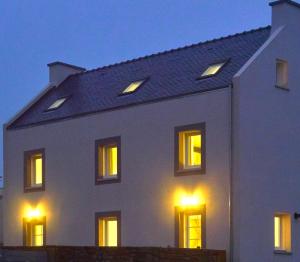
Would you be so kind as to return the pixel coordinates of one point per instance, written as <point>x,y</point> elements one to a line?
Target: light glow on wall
<point>185,199</point>
<point>30,212</point>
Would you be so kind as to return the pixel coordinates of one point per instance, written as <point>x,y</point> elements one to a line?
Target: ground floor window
<point>35,232</point>
<point>282,232</point>
<point>108,229</point>
<point>190,227</point>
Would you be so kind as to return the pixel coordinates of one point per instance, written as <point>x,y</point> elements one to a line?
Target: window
<point>35,232</point>
<point>58,103</point>
<point>282,232</point>
<point>190,149</point>
<point>34,177</point>
<point>282,74</point>
<point>212,70</point>
<point>190,227</point>
<point>108,160</point>
<point>133,87</point>
<point>108,229</point>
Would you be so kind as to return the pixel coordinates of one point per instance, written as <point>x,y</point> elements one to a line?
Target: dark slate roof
<point>171,74</point>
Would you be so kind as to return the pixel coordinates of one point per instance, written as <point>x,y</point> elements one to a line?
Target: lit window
<point>212,70</point>
<point>34,233</point>
<point>282,232</point>
<point>190,144</point>
<point>34,169</point>
<point>190,227</point>
<point>108,159</point>
<point>281,74</point>
<point>108,229</point>
<point>133,87</point>
<point>57,103</point>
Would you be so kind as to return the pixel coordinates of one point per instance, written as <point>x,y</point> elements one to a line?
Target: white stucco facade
<point>146,194</point>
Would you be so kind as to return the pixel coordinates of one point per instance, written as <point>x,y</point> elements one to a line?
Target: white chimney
<point>59,71</point>
<point>285,13</point>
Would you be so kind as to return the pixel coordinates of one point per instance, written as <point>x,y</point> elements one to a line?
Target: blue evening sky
<point>94,33</point>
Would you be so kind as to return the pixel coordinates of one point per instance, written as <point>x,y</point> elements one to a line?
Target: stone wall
<point>122,254</point>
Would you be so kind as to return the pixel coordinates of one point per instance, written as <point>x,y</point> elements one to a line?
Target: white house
<point>196,147</point>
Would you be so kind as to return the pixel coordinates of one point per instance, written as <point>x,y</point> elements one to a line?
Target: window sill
<point>34,189</point>
<point>100,181</point>
<point>285,88</point>
<point>282,252</point>
<point>190,172</point>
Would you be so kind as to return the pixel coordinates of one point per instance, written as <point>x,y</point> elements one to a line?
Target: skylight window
<point>212,69</point>
<point>133,87</point>
<point>58,103</point>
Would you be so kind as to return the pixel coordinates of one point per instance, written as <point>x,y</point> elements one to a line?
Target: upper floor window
<point>282,74</point>
<point>34,177</point>
<point>190,149</point>
<point>212,69</point>
<point>108,229</point>
<point>34,232</point>
<point>190,227</point>
<point>282,232</point>
<point>108,160</point>
<point>133,87</point>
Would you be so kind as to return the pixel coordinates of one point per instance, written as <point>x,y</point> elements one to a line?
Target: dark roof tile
<point>172,73</point>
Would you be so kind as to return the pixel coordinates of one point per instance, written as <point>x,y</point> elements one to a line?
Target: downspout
<point>231,119</point>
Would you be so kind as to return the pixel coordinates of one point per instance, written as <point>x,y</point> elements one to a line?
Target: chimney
<point>285,13</point>
<point>59,71</point>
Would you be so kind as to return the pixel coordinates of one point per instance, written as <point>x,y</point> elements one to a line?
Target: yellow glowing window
<point>190,143</point>
<point>58,103</point>
<point>34,168</point>
<point>38,235</point>
<point>282,232</point>
<point>193,231</point>
<point>34,233</point>
<point>133,87</point>
<point>108,163</point>
<point>37,170</point>
<point>213,69</point>
<point>108,154</point>
<point>108,232</point>
<point>190,224</point>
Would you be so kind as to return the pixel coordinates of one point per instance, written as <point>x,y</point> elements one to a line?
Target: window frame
<point>27,239</point>
<point>285,64</point>
<point>180,233</point>
<point>105,215</point>
<point>178,169</point>
<point>104,143</point>
<point>224,62</point>
<point>28,185</point>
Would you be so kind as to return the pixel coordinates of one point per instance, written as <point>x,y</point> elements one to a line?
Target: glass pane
<point>38,235</point>
<point>277,232</point>
<point>112,233</point>
<point>213,69</point>
<point>195,221</point>
<point>193,231</point>
<point>113,161</point>
<point>132,87</point>
<point>38,178</point>
<point>194,149</point>
<point>195,244</point>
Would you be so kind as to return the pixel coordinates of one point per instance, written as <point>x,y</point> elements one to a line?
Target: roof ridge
<point>173,50</point>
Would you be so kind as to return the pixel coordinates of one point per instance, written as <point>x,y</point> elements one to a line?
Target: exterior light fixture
<point>296,216</point>
<point>187,201</point>
<point>33,214</point>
